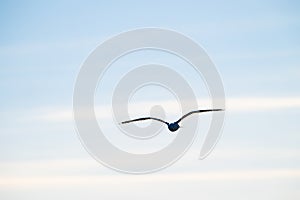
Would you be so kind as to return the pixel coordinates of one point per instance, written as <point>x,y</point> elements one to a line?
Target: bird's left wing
<point>144,118</point>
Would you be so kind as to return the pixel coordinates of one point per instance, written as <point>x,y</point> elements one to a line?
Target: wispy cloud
<point>85,170</point>
<point>238,104</point>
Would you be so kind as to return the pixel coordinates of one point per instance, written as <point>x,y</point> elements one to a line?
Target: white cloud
<point>173,177</point>
<point>253,104</point>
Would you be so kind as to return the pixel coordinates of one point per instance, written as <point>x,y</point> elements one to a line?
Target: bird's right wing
<point>144,118</point>
<point>197,111</point>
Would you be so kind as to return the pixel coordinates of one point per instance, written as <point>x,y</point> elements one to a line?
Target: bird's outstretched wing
<point>144,118</point>
<point>197,111</point>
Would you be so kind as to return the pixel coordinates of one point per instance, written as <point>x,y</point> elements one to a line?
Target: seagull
<point>174,126</point>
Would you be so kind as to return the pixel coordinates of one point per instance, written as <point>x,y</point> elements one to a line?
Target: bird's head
<point>173,127</point>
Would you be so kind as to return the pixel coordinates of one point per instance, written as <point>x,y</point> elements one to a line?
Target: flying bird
<point>174,126</point>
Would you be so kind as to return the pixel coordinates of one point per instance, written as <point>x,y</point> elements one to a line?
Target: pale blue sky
<point>255,46</point>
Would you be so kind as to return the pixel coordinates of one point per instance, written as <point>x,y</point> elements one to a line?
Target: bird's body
<point>174,126</point>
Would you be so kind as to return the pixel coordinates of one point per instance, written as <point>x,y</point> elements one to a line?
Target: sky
<point>255,46</point>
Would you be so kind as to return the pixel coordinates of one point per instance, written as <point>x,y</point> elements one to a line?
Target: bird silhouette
<point>174,126</point>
